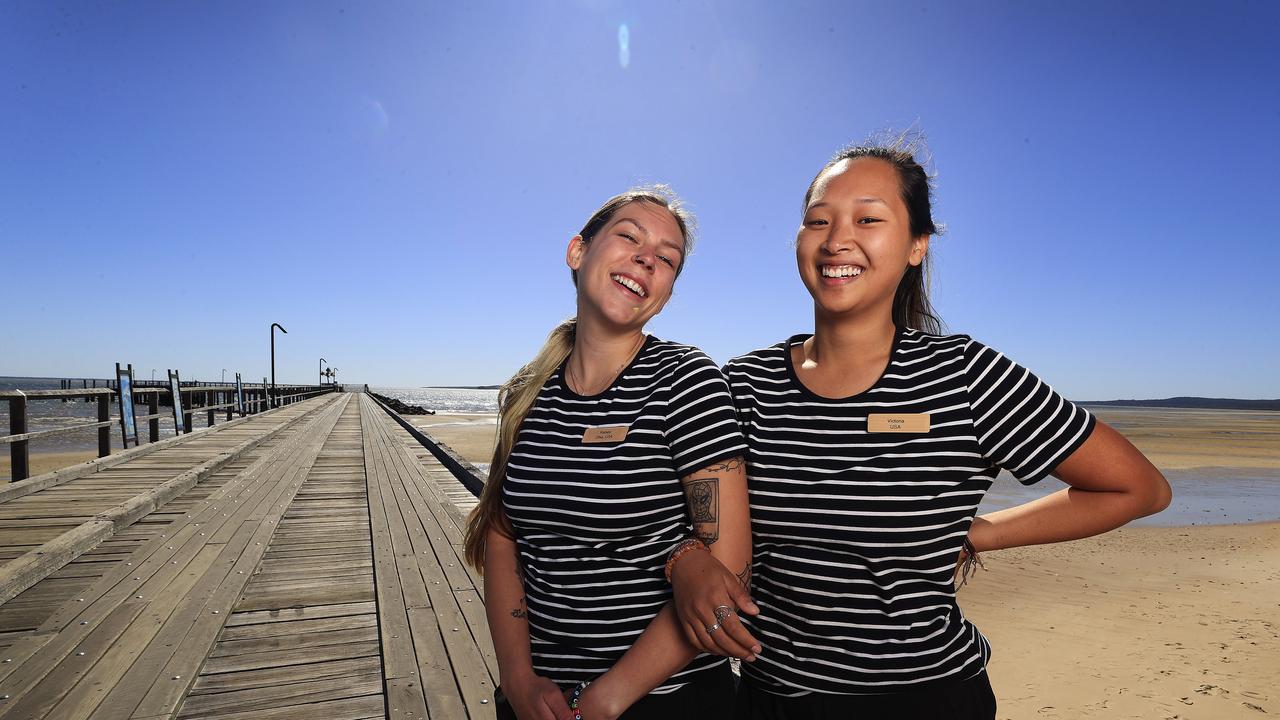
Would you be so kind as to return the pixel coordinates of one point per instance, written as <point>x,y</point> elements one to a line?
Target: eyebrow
<point>678,247</point>
<point>635,222</point>
<point>864,200</point>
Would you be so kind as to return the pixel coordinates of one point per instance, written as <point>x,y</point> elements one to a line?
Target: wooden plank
<point>405,699</point>
<point>355,708</point>
<point>440,687</point>
<point>194,630</point>
<point>22,573</point>
<point>37,704</point>
<point>237,663</point>
<point>265,698</point>
<point>440,633</point>
<point>338,636</point>
<point>282,676</point>
<point>34,484</point>
<point>302,613</point>
<point>297,627</point>
<point>167,582</point>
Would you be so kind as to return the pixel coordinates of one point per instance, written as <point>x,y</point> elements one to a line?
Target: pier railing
<point>195,398</point>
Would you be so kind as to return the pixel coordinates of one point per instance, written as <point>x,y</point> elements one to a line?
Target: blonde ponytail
<point>515,399</point>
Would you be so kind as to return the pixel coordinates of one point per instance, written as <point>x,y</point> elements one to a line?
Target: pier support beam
<point>19,469</point>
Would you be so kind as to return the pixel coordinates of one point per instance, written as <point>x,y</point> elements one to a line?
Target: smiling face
<point>625,273</point>
<point>855,242</point>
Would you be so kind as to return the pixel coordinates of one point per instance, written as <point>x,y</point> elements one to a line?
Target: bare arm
<point>717,497</point>
<point>1111,484</point>
<point>531,696</point>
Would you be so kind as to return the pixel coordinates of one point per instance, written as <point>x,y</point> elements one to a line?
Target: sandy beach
<point>1181,439</point>
<point>472,435</point>
<point>43,462</point>
<point>1140,623</point>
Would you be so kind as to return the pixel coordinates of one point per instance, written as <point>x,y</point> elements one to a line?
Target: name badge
<point>902,423</point>
<point>614,433</point>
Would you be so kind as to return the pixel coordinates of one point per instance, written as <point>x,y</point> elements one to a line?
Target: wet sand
<point>472,435</point>
<point>1182,439</point>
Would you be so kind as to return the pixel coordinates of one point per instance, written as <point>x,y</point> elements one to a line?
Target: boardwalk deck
<point>303,563</point>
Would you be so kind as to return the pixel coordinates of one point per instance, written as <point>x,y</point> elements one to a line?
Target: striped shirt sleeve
<point>1022,424</point>
<point>701,427</point>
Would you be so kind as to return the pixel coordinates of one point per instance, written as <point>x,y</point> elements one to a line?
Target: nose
<point>839,239</point>
<point>645,259</point>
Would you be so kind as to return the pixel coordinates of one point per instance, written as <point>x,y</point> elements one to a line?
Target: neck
<point>599,354</point>
<point>851,341</point>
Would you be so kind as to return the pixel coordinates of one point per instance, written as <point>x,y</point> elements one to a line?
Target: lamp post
<point>322,362</point>
<point>274,399</point>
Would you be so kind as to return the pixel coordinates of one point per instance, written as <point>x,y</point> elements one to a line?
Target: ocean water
<point>52,414</point>
<point>1201,496</point>
<point>444,400</point>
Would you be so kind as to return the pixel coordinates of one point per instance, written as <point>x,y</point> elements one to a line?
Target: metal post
<point>231,407</point>
<point>19,465</point>
<point>322,362</point>
<point>104,432</point>
<point>273,357</point>
<point>153,407</point>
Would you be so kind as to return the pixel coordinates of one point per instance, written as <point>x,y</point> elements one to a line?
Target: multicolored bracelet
<point>575,698</point>
<point>681,548</point>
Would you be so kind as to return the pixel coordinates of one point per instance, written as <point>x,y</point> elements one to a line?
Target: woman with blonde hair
<point>618,462</point>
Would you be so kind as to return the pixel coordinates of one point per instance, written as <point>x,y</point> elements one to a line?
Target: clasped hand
<point>702,586</point>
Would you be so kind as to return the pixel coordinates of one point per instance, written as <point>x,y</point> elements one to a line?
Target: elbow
<point>1158,495</point>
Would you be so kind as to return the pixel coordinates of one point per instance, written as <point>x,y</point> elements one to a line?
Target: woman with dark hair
<point>618,455</point>
<point>871,442</point>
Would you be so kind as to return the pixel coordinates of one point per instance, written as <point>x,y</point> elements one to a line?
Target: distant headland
<point>1192,403</point>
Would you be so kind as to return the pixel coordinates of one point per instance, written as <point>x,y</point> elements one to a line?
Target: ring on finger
<point>713,627</point>
<point>722,613</point>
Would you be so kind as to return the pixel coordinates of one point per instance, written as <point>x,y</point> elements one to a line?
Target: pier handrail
<point>20,436</point>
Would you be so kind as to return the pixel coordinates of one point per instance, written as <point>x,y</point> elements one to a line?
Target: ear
<point>573,254</point>
<point>919,248</point>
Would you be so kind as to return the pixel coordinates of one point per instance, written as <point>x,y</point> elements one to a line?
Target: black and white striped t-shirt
<point>856,529</point>
<point>594,521</point>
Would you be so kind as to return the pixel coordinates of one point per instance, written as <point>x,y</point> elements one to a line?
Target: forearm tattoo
<point>703,495</point>
<point>522,612</point>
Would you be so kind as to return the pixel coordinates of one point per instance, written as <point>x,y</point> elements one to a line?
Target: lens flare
<point>624,46</point>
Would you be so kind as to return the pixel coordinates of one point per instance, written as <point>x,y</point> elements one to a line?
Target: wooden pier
<point>304,562</point>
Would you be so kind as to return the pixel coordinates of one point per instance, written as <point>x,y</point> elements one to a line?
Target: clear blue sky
<point>395,182</point>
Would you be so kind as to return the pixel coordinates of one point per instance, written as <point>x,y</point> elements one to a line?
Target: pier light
<point>274,399</point>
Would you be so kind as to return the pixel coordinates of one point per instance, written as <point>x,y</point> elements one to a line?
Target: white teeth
<point>629,284</point>
<point>841,271</point>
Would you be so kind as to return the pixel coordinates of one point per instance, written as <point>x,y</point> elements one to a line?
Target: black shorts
<point>709,697</point>
<point>970,699</point>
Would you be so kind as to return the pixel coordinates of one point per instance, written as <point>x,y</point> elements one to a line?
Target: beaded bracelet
<point>575,698</point>
<point>681,548</point>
